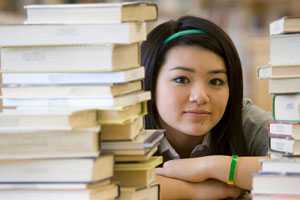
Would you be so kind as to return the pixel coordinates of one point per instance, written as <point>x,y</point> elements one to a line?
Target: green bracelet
<point>233,164</point>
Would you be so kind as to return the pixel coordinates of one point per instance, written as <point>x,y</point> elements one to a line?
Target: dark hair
<point>227,136</point>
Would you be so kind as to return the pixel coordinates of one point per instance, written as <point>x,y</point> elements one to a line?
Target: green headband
<point>181,33</point>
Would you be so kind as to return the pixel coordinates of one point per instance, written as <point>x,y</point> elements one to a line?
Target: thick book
<point>71,91</point>
<point>121,76</point>
<point>78,103</point>
<point>282,165</point>
<point>126,131</point>
<point>26,143</point>
<point>141,174</point>
<point>85,58</point>
<point>60,191</point>
<point>71,34</point>
<point>122,115</point>
<point>285,145</point>
<point>132,193</point>
<point>147,139</point>
<point>285,129</point>
<point>278,72</point>
<point>136,157</point>
<point>286,107</point>
<point>91,13</point>
<point>285,24</point>
<point>73,170</point>
<point>35,119</point>
<point>275,196</point>
<point>284,85</point>
<point>276,183</point>
<point>284,49</point>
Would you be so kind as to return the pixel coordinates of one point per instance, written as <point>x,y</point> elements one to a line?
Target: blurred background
<point>246,21</point>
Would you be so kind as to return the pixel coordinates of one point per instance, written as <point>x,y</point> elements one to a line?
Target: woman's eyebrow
<point>183,68</point>
<point>217,71</point>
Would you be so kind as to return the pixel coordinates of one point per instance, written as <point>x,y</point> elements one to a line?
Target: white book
<point>82,103</point>
<point>278,72</point>
<point>70,58</point>
<point>73,78</point>
<point>71,34</point>
<point>31,143</point>
<point>71,91</point>
<point>276,183</point>
<point>145,140</point>
<point>12,119</point>
<point>91,13</point>
<point>107,192</point>
<point>288,146</point>
<point>286,24</point>
<point>80,170</point>
<point>285,129</point>
<point>283,165</point>
<point>286,107</point>
<point>284,85</point>
<point>284,49</point>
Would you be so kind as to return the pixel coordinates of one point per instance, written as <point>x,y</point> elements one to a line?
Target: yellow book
<point>123,115</point>
<point>140,174</point>
<point>126,131</point>
<point>137,157</point>
<point>148,193</point>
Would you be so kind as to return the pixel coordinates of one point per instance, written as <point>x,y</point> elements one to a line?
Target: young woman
<point>214,139</point>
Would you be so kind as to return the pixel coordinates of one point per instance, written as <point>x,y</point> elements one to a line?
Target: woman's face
<point>192,90</point>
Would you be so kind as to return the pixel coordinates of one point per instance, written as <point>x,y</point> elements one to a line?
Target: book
<point>132,193</point>
<point>275,197</point>
<point>123,115</point>
<point>71,91</point>
<point>79,103</point>
<point>282,165</point>
<point>105,192</point>
<point>277,72</point>
<point>285,145</point>
<point>126,131</point>
<point>146,139</point>
<point>286,107</point>
<point>86,58</point>
<point>139,175</point>
<point>91,13</point>
<point>285,129</point>
<point>281,183</point>
<point>287,24</point>
<point>71,34</point>
<point>284,48</point>
<point>121,76</point>
<point>26,143</point>
<point>148,153</point>
<point>35,119</point>
<point>284,85</point>
<point>73,170</point>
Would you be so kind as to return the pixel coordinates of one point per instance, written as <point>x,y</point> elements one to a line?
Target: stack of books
<point>67,72</point>
<point>280,175</point>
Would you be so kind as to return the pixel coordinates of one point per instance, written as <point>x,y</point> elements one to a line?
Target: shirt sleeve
<point>256,128</point>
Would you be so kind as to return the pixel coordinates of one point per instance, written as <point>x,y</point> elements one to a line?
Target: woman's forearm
<point>219,169</point>
<point>211,189</point>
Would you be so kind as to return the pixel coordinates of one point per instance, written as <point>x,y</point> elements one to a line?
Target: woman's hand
<point>190,169</point>
<point>212,167</point>
<point>206,190</point>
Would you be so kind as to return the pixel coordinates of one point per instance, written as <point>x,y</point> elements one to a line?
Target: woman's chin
<point>195,132</point>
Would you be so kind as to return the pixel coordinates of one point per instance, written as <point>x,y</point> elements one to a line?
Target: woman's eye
<point>217,82</point>
<point>181,80</point>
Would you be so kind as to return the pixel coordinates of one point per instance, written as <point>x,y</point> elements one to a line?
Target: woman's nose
<point>199,95</point>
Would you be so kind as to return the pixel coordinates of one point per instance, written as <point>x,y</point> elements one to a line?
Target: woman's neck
<point>182,143</point>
